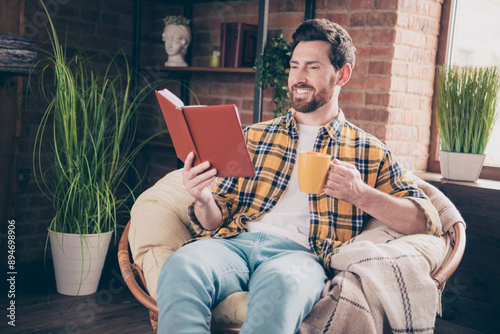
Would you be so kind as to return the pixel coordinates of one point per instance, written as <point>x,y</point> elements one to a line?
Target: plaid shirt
<point>273,148</point>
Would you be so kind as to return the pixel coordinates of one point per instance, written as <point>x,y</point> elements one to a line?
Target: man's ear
<point>345,75</point>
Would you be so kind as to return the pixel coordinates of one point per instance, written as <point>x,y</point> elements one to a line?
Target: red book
<point>222,44</point>
<point>213,133</point>
<point>238,44</point>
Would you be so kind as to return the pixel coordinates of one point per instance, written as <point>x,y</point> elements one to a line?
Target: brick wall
<point>389,94</point>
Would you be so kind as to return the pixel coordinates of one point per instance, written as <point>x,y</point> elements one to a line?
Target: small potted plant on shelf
<point>273,67</point>
<point>466,114</point>
<point>84,148</point>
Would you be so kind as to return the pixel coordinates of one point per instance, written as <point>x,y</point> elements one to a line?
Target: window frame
<point>447,21</point>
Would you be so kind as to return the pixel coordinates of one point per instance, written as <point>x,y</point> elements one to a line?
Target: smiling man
<point>263,235</point>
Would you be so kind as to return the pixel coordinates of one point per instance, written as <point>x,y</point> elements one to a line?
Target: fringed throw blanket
<point>381,285</point>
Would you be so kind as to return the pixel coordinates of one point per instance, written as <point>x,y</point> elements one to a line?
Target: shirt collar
<point>334,128</point>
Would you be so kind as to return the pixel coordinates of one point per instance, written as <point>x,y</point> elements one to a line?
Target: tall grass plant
<point>87,134</point>
<point>467,108</point>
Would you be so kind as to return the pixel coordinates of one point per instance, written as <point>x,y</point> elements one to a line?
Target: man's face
<point>312,79</point>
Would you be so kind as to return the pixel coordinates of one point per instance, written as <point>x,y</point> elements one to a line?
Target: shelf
<point>205,69</point>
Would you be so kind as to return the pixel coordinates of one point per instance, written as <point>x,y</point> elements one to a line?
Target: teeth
<point>303,91</point>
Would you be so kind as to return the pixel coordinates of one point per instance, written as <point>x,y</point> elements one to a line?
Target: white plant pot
<point>78,261</point>
<point>461,166</point>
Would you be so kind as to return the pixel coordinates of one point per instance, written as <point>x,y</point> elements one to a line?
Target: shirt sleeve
<point>394,180</point>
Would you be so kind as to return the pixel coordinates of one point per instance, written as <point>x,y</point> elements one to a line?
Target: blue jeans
<point>284,281</point>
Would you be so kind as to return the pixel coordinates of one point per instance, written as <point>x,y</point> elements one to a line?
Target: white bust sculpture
<point>177,39</point>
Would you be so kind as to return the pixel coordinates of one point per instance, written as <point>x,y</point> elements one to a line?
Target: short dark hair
<point>342,49</point>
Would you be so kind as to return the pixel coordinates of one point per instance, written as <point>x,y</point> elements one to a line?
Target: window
<point>470,31</point>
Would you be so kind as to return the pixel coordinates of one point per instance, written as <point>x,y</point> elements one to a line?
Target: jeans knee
<point>176,266</point>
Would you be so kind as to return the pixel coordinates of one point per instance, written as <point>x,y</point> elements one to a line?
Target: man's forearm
<point>399,214</point>
<point>208,214</point>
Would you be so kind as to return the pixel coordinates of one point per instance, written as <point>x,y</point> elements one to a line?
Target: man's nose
<point>299,76</point>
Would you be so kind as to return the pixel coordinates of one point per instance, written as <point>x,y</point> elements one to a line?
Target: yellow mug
<point>313,171</point>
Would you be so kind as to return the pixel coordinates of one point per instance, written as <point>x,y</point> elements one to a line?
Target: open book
<point>212,133</point>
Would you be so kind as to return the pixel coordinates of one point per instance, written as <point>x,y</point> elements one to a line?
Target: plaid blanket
<point>381,284</point>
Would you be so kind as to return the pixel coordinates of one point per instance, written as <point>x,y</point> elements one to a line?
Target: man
<point>262,234</point>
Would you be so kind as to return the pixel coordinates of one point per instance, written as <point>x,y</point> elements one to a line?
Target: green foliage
<point>273,65</point>
<point>176,20</point>
<point>88,133</point>
<point>467,107</point>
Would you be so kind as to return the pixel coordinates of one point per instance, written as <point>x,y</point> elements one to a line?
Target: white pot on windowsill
<point>461,166</point>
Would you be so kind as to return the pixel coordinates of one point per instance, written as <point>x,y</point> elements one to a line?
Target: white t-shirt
<point>289,218</point>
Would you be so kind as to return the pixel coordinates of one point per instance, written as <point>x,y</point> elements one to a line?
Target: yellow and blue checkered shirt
<point>273,149</point>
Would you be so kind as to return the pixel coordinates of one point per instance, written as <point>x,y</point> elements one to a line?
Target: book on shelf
<point>212,133</point>
<point>238,44</point>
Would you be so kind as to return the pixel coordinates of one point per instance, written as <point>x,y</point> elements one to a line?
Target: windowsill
<point>480,183</point>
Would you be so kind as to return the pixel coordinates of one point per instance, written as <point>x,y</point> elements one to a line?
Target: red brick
<point>382,19</point>
<point>412,38</point>
<point>399,84</point>
<point>338,5</point>
<point>380,67</point>
<point>435,9</point>
<point>411,101</point>
<point>408,5</point>
<point>373,114</point>
<point>401,132</point>
<point>379,83</point>
<point>426,25</point>
<point>339,18</point>
<point>361,4</point>
<point>217,89</point>
<point>381,99</point>
<point>424,134</point>
<point>414,71</point>
<point>358,82</point>
<point>360,35</point>
<point>349,97</point>
<point>403,20</point>
<point>285,20</point>
<point>386,4</point>
<point>378,130</point>
<point>399,68</point>
<point>375,51</point>
<point>420,87</point>
<point>402,52</point>
<point>432,42</point>
<point>295,6</point>
<point>358,20</point>
<point>359,67</point>
<point>426,103</point>
<point>395,116</point>
<point>236,102</point>
<point>384,36</point>
<point>241,8</point>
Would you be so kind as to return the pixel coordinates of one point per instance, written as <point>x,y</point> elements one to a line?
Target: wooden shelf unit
<point>207,69</point>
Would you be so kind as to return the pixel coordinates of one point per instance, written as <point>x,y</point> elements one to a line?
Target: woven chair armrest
<point>456,241</point>
<point>127,271</point>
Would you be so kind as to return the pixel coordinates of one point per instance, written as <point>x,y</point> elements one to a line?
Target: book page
<point>172,98</point>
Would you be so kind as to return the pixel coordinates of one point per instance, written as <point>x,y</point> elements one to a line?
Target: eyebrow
<point>306,63</point>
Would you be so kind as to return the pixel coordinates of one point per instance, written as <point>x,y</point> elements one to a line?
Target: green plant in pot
<point>84,150</point>
<point>466,114</point>
<point>273,67</point>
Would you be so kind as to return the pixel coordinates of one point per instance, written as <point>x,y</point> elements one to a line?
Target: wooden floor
<point>111,310</point>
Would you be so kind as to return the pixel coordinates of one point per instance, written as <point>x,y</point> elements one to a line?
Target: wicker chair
<point>136,282</point>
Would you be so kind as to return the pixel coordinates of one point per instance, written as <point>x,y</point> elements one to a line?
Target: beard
<point>318,100</point>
